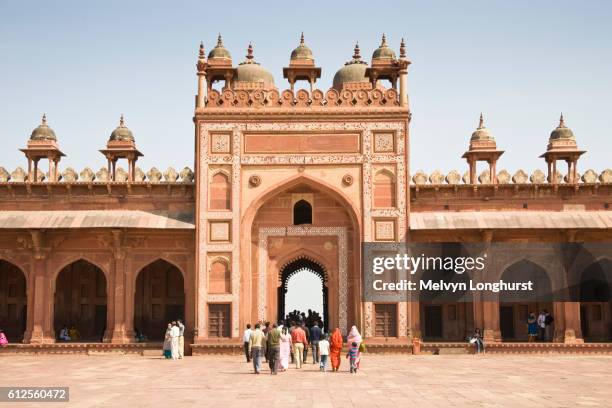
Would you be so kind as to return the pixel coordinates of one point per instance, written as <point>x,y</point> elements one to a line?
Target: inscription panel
<point>323,143</point>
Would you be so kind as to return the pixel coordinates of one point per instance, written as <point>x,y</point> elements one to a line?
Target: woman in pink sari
<point>354,337</point>
<point>3,340</point>
<point>285,349</point>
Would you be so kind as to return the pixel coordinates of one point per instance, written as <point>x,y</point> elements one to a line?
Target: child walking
<point>323,352</point>
<point>353,356</point>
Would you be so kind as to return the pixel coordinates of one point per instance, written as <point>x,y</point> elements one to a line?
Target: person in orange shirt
<point>298,338</point>
<point>335,349</point>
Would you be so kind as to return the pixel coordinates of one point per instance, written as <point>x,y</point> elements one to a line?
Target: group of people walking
<point>279,345</point>
<point>174,340</point>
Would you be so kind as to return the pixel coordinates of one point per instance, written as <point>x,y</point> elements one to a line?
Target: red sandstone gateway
<point>284,180</point>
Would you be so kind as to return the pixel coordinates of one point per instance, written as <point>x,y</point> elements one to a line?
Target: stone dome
<point>353,71</point>
<point>383,52</point>
<point>43,131</point>
<point>251,71</point>
<point>219,52</point>
<point>302,52</point>
<point>481,133</point>
<point>122,133</point>
<point>562,131</point>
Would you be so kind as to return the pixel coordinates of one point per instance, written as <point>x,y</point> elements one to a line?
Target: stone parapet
<point>346,98</point>
<point>87,175</point>
<point>520,177</point>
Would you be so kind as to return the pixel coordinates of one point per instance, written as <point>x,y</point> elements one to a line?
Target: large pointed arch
<point>249,311</point>
<point>295,181</point>
<point>81,301</point>
<point>13,303</point>
<point>159,298</point>
<point>515,307</point>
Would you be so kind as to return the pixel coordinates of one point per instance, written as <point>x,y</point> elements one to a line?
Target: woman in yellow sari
<point>335,349</point>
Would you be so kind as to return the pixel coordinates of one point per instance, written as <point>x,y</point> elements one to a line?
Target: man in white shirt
<point>245,339</point>
<point>542,324</point>
<point>175,332</point>
<point>181,339</point>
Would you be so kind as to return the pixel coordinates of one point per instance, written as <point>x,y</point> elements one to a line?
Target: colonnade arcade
<point>86,296</point>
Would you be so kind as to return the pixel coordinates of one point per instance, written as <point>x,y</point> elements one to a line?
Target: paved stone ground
<point>384,381</point>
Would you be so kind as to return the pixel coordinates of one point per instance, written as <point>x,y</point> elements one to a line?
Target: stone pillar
<point>403,93</point>
<point>572,330</point>
<point>414,326</point>
<point>41,313</point>
<point>493,171</point>
<point>201,99</point>
<point>478,310</point>
<point>491,332</point>
<point>472,171</point>
<point>119,332</point>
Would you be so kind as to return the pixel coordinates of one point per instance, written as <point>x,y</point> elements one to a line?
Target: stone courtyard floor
<point>384,381</point>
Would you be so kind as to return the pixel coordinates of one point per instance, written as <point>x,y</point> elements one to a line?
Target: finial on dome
<point>249,55</point>
<point>481,123</point>
<point>302,39</point>
<point>202,54</point>
<point>402,49</point>
<point>43,122</point>
<point>121,121</point>
<point>357,54</point>
<point>219,41</point>
<point>561,121</point>
<point>383,43</point>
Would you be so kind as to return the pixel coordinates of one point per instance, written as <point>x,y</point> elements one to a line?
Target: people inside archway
<point>532,327</point>
<point>298,338</point>
<point>542,325</point>
<point>174,340</point>
<point>315,337</point>
<point>548,326</point>
<point>64,334</point>
<point>323,352</point>
<point>285,349</point>
<point>256,344</point>
<point>307,333</point>
<point>335,349</point>
<point>3,340</point>
<point>140,336</point>
<point>74,333</point>
<point>246,336</point>
<point>167,347</point>
<point>355,337</point>
<point>478,341</point>
<point>181,338</point>
<point>273,340</point>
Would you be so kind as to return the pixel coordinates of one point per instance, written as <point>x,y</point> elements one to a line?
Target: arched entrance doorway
<point>596,301</point>
<point>80,301</point>
<point>446,316</point>
<point>332,236</point>
<point>291,270</point>
<point>513,314</point>
<point>159,299</point>
<point>13,301</point>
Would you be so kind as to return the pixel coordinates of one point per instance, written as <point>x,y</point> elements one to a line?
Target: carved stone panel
<point>384,143</point>
<point>384,230</point>
<point>220,143</point>
<point>220,231</point>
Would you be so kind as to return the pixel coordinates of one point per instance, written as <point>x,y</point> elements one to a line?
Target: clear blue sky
<point>519,62</point>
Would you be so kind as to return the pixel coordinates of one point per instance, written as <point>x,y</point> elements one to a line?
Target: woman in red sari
<point>335,349</point>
